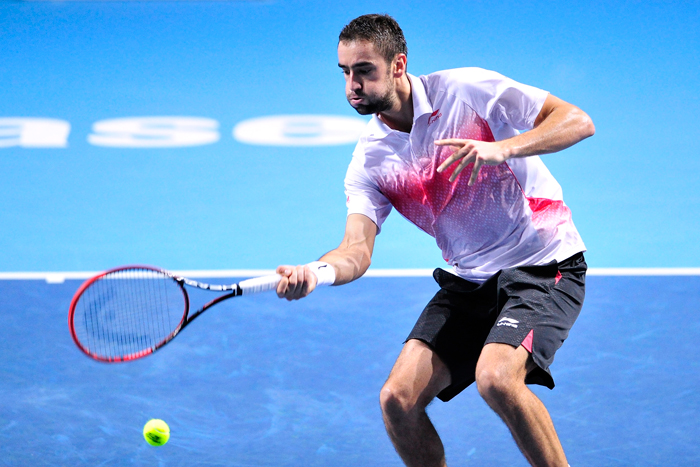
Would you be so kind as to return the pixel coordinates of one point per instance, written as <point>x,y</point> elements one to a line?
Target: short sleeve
<point>363,196</point>
<point>496,98</point>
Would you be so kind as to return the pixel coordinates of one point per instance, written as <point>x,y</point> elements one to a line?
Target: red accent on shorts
<point>527,343</point>
<point>557,278</point>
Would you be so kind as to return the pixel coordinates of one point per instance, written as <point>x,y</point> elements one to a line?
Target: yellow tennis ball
<point>156,432</point>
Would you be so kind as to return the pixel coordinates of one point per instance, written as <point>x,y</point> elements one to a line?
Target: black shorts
<point>533,306</point>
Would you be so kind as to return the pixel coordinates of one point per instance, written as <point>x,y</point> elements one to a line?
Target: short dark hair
<point>381,30</point>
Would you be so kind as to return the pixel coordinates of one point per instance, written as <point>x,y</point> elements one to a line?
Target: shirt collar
<point>421,106</point>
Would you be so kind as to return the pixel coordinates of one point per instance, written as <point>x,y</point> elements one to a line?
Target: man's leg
<point>500,378</point>
<point>417,377</point>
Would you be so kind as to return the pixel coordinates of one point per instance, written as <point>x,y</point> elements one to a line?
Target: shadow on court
<point>257,381</point>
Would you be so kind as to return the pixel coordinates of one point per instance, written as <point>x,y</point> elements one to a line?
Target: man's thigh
<point>418,374</point>
<point>506,360</point>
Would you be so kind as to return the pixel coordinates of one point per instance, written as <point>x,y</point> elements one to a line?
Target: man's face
<point>369,86</point>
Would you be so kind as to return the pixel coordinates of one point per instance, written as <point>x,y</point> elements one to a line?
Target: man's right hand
<point>297,282</point>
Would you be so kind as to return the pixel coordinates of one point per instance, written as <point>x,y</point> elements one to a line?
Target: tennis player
<point>456,153</point>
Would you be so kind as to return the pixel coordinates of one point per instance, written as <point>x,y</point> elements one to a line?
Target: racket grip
<point>259,284</point>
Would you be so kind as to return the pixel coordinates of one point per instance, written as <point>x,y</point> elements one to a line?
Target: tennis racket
<point>129,312</point>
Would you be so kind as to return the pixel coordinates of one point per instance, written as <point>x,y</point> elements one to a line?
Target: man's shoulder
<point>459,78</point>
<point>471,85</point>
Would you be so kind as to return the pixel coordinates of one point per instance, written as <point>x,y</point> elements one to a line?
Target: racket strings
<point>127,312</point>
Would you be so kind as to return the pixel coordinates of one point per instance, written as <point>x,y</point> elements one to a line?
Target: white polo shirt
<point>513,215</point>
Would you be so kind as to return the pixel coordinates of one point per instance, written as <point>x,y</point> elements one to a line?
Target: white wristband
<point>325,274</point>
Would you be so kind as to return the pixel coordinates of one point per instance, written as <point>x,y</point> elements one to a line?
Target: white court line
<point>644,272</point>
<point>59,277</point>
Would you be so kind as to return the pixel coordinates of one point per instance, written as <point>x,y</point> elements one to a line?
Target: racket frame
<point>233,289</point>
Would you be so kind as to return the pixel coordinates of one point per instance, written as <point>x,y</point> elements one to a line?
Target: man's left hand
<point>467,151</point>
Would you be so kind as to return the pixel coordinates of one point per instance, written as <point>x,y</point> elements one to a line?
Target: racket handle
<point>259,284</point>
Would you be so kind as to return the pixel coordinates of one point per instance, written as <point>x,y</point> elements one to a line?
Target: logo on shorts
<point>508,322</point>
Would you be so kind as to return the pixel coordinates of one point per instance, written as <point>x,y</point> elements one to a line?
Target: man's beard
<point>376,104</point>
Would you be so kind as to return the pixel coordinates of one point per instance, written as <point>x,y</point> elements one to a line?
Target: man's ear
<point>399,65</point>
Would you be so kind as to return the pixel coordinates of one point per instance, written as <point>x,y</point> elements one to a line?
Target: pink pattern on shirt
<point>460,217</point>
<point>549,212</point>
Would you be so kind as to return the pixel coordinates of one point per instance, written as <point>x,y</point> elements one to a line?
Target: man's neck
<point>400,117</point>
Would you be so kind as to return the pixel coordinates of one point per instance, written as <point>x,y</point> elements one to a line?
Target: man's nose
<point>355,84</point>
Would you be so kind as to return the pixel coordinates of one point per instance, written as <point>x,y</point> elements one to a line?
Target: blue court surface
<point>213,137</point>
<point>256,381</point>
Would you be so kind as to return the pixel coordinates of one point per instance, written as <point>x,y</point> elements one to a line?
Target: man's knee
<point>398,402</point>
<point>501,374</point>
<point>493,382</point>
<point>417,377</point>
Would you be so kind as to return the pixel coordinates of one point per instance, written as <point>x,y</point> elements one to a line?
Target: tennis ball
<point>156,432</point>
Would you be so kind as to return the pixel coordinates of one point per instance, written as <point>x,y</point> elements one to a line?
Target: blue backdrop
<point>231,205</point>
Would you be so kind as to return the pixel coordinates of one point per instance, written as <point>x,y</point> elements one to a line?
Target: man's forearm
<point>556,129</point>
<point>349,263</point>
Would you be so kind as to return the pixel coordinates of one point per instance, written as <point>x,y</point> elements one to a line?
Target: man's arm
<point>557,126</point>
<point>349,261</point>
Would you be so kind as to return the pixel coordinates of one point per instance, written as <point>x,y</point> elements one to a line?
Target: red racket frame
<point>254,285</point>
<point>142,353</point>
